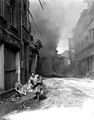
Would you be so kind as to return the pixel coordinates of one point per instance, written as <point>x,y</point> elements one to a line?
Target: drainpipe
<point>36,57</point>
<point>21,64</point>
<point>21,21</point>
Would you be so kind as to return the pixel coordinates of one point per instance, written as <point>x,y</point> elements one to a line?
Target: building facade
<point>18,56</point>
<point>83,37</point>
<point>71,50</point>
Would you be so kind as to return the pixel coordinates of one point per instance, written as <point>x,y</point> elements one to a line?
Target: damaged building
<point>18,53</point>
<point>83,38</point>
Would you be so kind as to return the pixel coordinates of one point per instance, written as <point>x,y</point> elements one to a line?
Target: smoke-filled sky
<point>56,21</point>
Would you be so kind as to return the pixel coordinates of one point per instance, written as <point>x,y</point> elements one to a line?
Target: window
<point>91,34</point>
<point>86,41</point>
<point>86,38</point>
<point>24,6</point>
<point>12,3</point>
<point>1,7</point>
<point>25,13</point>
<point>83,45</point>
<point>12,12</point>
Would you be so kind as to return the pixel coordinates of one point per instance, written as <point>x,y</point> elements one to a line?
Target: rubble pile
<point>35,84</point>
<point>25,96</point>
<point>23,89</point>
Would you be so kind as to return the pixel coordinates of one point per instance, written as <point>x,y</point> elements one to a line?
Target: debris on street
<point>35,85</point>
<point>25,96</point>
<point>65,95</point>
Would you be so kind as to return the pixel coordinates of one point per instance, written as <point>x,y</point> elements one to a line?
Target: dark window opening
<point>12,12</point>
<point>25,14</point>
<point>0,7</point>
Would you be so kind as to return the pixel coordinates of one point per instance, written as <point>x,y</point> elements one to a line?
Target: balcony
<point>3,22</point>
<point>8,37</point>
<point>3,34</point>
<point>14,41</point>
<point>13,30</point>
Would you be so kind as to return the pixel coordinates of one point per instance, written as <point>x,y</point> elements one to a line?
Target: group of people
<point>34,84</point>
<point>37,83</point>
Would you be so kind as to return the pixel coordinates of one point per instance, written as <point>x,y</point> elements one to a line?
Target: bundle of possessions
<point>35,85</point>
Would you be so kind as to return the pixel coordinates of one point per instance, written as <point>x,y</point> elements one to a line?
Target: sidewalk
<point>13,103</point>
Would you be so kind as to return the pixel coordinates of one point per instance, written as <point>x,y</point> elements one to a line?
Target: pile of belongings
<point>34,85</point>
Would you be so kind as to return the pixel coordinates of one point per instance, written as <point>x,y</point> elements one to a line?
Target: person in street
<point>31,79</point>
<point>38,87</point>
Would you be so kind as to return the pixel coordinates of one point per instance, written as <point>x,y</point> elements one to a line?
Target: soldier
<point>31,79</point>
<point>38,87</point>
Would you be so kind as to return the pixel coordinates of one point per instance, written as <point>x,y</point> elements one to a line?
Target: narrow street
<point>47,59</point>
<point>67,98</point>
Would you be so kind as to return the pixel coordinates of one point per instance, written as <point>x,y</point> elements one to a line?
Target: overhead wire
<point>35,22</point>
<point>41,4</point>
<point>34,19</point>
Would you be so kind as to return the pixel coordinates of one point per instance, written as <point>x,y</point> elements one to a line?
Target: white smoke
<point>56,21</point>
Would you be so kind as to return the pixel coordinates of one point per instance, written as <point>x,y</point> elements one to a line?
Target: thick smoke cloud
<point>49,22</point>
<point>56,21</point>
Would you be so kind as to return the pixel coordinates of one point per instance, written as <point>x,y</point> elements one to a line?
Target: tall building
<point>83,37</point>
<point>18,55</point>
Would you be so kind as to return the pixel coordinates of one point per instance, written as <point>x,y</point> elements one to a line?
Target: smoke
<point>49,21</point>
<point>55,22</point>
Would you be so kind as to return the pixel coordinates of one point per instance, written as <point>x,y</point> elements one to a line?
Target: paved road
<point>63,93</point>
<point>68,98</point>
